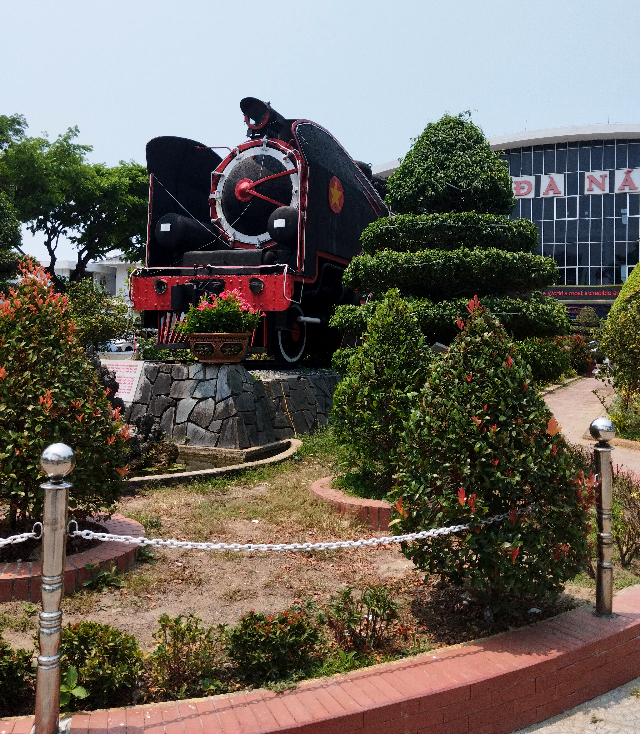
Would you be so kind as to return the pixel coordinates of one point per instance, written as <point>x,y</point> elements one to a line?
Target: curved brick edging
<point>21,580</point>
<point>373,513</point>
<point>491,686</point>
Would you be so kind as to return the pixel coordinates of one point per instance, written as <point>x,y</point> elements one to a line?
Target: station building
<point>581,188</point>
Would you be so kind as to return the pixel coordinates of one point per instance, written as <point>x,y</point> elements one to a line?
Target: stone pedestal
<point>228,407</point>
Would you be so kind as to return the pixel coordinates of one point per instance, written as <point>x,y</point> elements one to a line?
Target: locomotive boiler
<point>278,219</point>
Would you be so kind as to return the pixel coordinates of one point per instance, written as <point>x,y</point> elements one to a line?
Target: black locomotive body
<point>278,219</point>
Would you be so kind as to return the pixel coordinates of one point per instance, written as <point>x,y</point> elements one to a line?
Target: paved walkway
<point>575,406</point>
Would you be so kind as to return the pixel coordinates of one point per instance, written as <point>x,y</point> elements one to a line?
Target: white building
<point>112,273</point>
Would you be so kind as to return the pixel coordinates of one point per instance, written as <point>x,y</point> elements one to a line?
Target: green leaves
<point>49,393</point>
<point>440,275</point>
<point>107,663</point>
<point>449,231</point>
<point>69,689</point>
<point>451,168</point>
<point>480,443</point>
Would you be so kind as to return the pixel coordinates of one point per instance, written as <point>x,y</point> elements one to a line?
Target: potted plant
<point>219,327</point>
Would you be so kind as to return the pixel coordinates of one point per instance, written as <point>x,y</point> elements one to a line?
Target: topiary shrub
<point>50,393</point>
<point>451,168</point>
<point>548,359</point>
<point>273,647</point>
<point>374,396</point>
<point>444,275</point>
<point>108,663</point>
<point>449,231</point>
<point>538,316</point>
<point>15,675</point>
<point>480,442</point>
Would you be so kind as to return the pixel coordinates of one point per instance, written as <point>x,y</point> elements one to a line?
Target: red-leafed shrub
<point>49,393</point>
<point>481,442</point>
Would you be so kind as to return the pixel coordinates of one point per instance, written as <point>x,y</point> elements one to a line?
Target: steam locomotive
<point>278,219</point>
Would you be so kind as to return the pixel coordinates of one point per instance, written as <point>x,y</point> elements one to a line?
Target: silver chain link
<point>15,539</point>
<point>332,545</point>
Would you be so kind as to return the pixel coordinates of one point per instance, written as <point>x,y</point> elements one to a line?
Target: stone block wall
<point>228,407</point>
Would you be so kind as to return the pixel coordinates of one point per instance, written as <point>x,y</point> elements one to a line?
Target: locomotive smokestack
<point>261,118</point>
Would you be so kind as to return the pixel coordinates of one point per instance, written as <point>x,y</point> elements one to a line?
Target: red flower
<point>469,378</point>
<point>462,496</point>
<point>513,553</point>
<point>476,419</point>
<point>472,502</point>
<point>460,323</point>
<point>509,362</point>
<point>495,462</point>
<point>3,373</point>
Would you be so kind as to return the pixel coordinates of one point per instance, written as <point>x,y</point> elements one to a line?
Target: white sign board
<point>127,374</point>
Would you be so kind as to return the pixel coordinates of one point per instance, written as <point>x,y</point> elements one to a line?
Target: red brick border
<point>374,513</point>
<point>491,686</point>
<point>22,580</point>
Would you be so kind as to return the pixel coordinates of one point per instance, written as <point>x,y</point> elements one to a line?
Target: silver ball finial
<point>57,460</point>
<point>602,429</point>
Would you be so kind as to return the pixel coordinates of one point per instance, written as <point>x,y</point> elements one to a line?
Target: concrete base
<point>228,407</point>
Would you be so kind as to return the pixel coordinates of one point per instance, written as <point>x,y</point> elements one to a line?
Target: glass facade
<point>593,238</point>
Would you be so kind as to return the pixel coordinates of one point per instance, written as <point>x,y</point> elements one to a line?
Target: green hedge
<point>441,275</point>
<point>537,317</point>
<point>450,231</point>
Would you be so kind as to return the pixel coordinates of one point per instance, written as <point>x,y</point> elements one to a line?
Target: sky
<point>373,72</point>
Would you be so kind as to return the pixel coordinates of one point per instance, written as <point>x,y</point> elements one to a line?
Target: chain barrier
<point>15,539</point>
<point>331,545</point>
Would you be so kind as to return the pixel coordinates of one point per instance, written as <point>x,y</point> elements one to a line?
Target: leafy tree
<point>481,442</point>
<point>12,129</point>
<point>43,179</point>
<point>57,192</point>
<point>98,317</point>
<point>112,212</point>
<point>10,241</point>
<point>49,393</point>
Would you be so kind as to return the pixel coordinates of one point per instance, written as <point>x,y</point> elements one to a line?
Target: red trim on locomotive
<point>276,295</point>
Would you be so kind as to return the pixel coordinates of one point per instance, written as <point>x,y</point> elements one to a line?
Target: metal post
<point>604,430</point>
<point>56,461</point>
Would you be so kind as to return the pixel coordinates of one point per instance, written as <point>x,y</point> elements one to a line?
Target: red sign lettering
<point>552,188</point>
<point>593,181</point>
<point>627,182</point>
<point>522,188</point>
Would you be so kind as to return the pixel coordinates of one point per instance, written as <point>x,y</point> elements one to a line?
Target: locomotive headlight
<point>256,286</point>
<point>160,286</point>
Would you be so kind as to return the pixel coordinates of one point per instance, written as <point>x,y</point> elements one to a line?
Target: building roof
<point>564,135</point>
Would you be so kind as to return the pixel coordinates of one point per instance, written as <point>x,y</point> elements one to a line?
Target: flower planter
<point>219,348</point>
